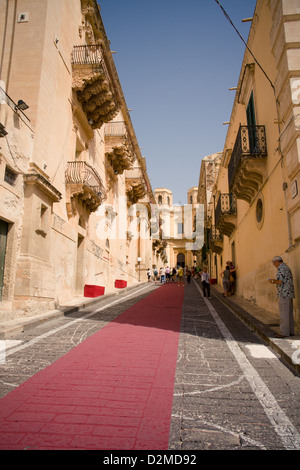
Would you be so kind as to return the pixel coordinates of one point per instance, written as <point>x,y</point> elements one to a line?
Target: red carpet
<point>113,391</point>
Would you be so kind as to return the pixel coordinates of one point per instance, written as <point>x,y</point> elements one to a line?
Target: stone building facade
<point>74,189</point>
<point>255,213</point>
<point>209,171</point>
<point>180,235</point>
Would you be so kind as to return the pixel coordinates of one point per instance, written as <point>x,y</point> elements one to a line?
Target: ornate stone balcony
<point>247,166</point>
<point>93,85</point>
<point>225,216</point>
<point>135,192</point>
<point>118,150</point>
<point>159,247</point>
<point>84,183</point>
<point>120,159</point>
<point>215,240</point>
<point>135,185</point>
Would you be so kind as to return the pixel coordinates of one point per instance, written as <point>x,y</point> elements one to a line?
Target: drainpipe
<point>284,187</point>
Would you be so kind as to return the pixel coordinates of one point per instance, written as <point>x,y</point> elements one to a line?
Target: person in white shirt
<point>205,283</point>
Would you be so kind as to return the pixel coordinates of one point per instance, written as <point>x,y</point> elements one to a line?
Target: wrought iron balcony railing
<point>214,235</point>
<point>215,240</point>
<point>82,173</point>
<point>226,206</point>
<point>250,143</point>
<point>115,129</point>
<point>87,55</point>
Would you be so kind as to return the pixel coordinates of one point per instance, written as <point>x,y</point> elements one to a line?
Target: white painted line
<point>281,423</point>
<point>10,343</point>
<point>72,322</point>
<point>2,352</point>
<point>260,351</point>
<point>4,346</point>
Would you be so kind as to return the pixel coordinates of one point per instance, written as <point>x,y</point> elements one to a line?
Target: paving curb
<point>14,327</point>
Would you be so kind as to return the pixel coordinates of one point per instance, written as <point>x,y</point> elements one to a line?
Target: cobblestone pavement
<point>231,391</point>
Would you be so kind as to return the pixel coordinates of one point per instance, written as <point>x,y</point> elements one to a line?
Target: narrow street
<point>155,369</point>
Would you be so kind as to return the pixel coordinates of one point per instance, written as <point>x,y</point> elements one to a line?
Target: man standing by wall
<point>286,294</point>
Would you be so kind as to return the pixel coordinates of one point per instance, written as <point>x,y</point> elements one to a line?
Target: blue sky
<point>176,61</point>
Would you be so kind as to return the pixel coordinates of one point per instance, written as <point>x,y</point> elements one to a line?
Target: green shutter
<point>3,238</point>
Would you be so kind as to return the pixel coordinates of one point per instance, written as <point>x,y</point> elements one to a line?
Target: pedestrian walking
<point>174,273</point>
<point>285,293</point>
<point>232,277</point>
<point>180,276</point>
<point>188,275</point>
<point>205,283</point>
<point>168,274</point>
<point>149,275</point>
<point>155,273</point>
<point>162,275</point>
<point>226,281</point>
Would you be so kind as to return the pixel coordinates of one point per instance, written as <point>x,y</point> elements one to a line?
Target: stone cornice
<point>38,178</point>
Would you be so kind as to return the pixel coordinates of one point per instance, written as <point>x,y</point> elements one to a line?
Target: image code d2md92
<point>173,459</point>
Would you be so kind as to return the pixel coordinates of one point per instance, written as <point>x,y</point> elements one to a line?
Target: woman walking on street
<point>226,281</point>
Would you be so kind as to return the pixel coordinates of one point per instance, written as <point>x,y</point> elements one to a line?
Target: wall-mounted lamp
<point>21,105</point>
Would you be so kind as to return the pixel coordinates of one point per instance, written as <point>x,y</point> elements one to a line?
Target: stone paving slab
<point>214,406</point>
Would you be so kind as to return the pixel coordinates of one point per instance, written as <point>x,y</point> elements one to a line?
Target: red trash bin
<point>93,291</point>
<point>119,283</point>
